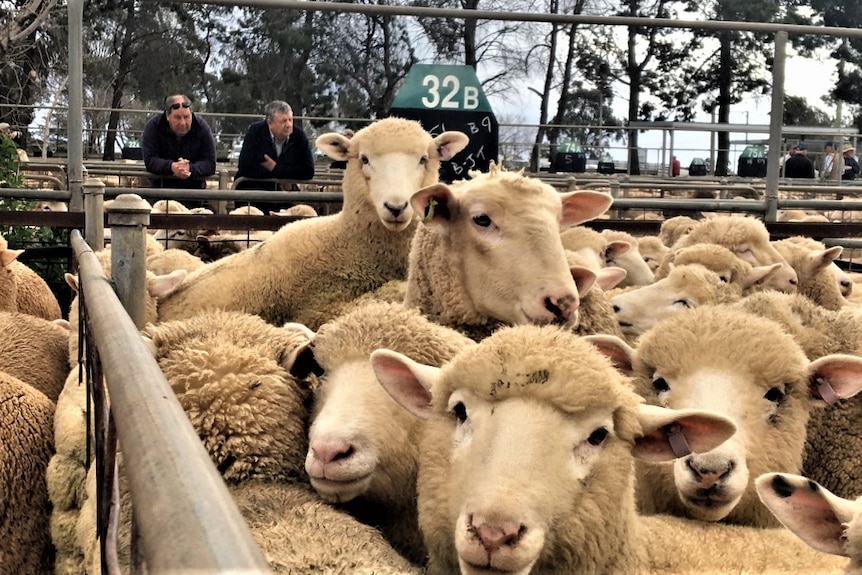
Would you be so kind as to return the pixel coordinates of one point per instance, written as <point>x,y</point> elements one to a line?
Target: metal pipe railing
<point>188,520</point>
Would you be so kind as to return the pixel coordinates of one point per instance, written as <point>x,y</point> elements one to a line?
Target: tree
<point>27,54</point>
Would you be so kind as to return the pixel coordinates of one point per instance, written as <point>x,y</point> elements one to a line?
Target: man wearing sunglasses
<point>179,146</point>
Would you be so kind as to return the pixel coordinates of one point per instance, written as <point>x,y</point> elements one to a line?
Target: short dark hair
<point>830,143</point>
<point>171,100</point>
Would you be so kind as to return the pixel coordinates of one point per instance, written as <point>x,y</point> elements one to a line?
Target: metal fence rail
<point>187,519</point>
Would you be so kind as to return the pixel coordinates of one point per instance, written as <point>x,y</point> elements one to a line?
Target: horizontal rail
<point>188,520</point>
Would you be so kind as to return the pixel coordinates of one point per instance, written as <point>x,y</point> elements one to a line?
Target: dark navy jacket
<point>161,147</point>
<point>294,163</point>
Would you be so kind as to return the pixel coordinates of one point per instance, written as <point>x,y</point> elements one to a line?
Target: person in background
<point>675,167</point>
<point>831,159</point>
<point>851,164</point>
<point>15,137</point>
<point>274,149</point>
<point>178,148</point>
<point>799,165</point>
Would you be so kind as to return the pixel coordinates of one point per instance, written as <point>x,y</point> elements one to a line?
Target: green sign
<point>442,87</point>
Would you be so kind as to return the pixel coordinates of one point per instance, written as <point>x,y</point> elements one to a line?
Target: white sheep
<point>819,277</point>
<point>22,289</point>
<point>526,466</point>
<point>362,446</point>
<point>748,239</point>
<point>653,251</point>
<point>825,521</point>
<point>308,270</point>
<point>688,286</point>
<point>595,312</point>
<point>638,271</point>
<point>34,350</point>
<point>488,252</point>
<point>747,368</point>
<point>723,262</point>
<point>832,439</point>
<point>26,417</point>
<point>298,210</point>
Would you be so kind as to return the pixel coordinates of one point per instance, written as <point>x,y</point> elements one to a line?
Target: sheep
<point>526,466</point>
<point>157,287</point>
<point>723,262</point>
<point>171,260</point>
<point>22,290</point>
<point>815,268</point>
<point>251,416</point>
<point>833,439</point>
<point>488,252</point>
<point>245,330</point>
<point>595,312</point>
<point>672,229</point>
<point>220,245</point>
<point>298,210</point>
<point>748,238</point>
<point>183,239</point>
<point>310,269</point>
<point>26,416</point>
<point>638,271</point>
<point>51,206</point>
<point>745,367</point>
<point>638,310</point>
<point>653,251</point>
<point>362,450</point>
<point>823,520</point>
<point>34,350</point>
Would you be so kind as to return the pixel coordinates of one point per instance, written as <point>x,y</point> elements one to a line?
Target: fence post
<point>94,224</point>
<point>128,218</point>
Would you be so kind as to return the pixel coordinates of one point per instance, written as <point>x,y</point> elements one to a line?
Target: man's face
<point>828,149</point>
<point>281,125</point>
<point>180,118</point>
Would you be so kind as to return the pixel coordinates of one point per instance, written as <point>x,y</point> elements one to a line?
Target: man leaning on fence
<point>274,149</point>
<point>178,148</point>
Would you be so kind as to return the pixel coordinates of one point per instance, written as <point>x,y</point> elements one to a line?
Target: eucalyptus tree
<point>136,53</point>
<point>28,52</point>
<point>847,51</point>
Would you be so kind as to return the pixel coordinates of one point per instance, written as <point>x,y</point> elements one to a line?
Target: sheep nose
<point>708,477</point>
<point>562,307</point>
<point>328,452</point>
<point>395,210</point>
<point>492,537</point>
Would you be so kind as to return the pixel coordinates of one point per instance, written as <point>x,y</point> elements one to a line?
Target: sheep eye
<point>460,411</point>
<point>774,394</point>
<point>683,302</point>
<point>423,160</point>
<point>660,385</point>
<point>482,220</point>
<point>724,279</point>
<point>598,436</point>
<point>364,158</point>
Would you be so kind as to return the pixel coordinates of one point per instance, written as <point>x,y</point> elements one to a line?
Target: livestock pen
<point>184,515</point>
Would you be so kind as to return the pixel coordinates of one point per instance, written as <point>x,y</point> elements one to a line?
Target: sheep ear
<point>71,281</point>
<point>584,205</point>
<point>809,510</point>
<point>8,256</point>
<point>609,277</point>
<point>334,145</point>
<point>408,382</point>
<point>619,352</point>
<point>450,143</point>
<point>818,260</point>
<point>161,286</point>
<point>436,203</point>
<point>672,433</point>
<point>584,278</point>
<point>616,248</point>
<point>834,377</point>
<point>758,274</point>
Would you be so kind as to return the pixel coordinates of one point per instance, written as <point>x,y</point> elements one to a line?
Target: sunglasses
<point>176,105</point>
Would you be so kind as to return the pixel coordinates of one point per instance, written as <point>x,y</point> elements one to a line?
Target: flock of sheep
<point>463,378</point>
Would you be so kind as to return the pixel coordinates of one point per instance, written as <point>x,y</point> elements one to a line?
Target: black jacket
<point>294,163</point>
<point>161,147</point>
